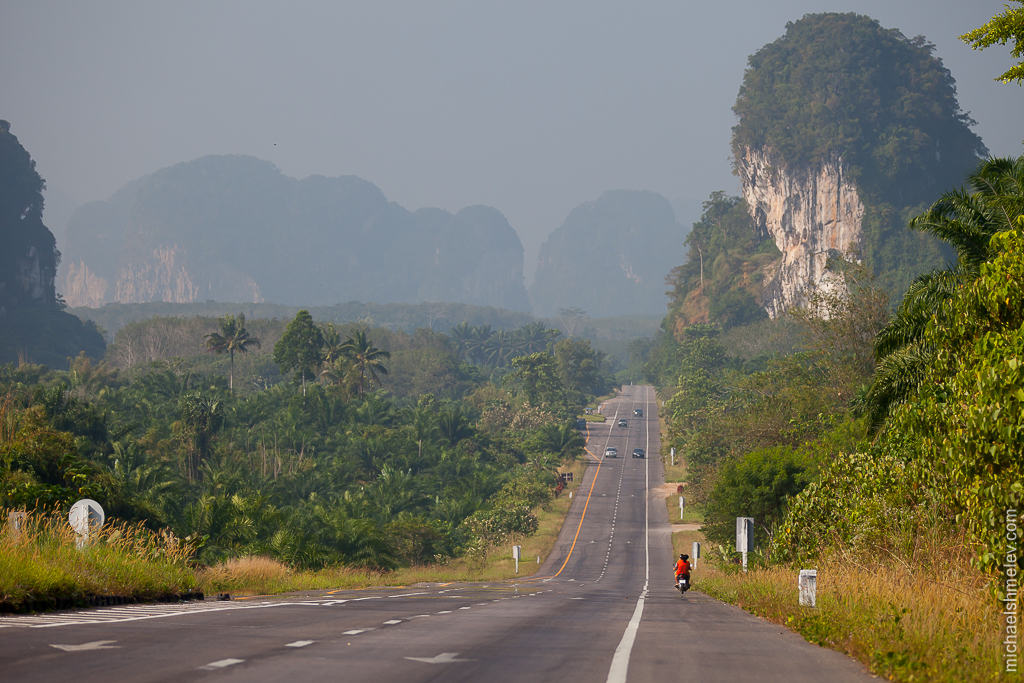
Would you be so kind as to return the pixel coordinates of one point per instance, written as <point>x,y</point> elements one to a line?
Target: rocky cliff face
<point>813,214</point>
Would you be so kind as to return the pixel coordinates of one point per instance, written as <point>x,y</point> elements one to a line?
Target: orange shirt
<point>682,567</point>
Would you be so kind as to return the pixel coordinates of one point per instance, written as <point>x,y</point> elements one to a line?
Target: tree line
<point>332,467</point>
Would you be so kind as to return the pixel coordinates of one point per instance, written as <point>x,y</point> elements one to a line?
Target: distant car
<point>638,453</point>
<point>611,452</point>
<point>581,423</point>
<point>623,423</point>
<point>638,412</point>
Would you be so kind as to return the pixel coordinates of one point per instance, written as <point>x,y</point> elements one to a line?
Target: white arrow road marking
<point>95,645</point>
<point>300,643</point>
<point>221,663</point>
<point>443,658</point>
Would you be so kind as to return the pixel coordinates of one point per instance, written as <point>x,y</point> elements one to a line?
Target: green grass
<point>692,514</point>
<point>903,621</point>
<point>42,562</point>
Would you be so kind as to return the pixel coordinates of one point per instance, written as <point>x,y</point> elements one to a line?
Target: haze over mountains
<point>234,228</point>
<point>610,256</point>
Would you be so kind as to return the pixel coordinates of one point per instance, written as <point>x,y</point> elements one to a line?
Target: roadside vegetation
<point>876,438</point>
<point>347,462</point>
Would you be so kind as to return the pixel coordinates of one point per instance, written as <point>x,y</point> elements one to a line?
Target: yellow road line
<point>582,516</point>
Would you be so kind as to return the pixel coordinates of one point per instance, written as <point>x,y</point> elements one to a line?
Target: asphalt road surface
<point>601,608</point>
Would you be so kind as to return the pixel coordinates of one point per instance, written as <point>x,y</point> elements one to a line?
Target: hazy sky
<point>530,107</point>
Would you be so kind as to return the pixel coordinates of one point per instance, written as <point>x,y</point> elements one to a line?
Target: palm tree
<point>534,337</point>
<point>477,343</point>
<point>966,220</point>
<point>498,348</point>
<point>232,337</point>
<point>366,358</point>
<point>460,335</point>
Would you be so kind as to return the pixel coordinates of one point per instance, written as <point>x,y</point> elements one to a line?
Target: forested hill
<point>610,257</point>
<point>234,228</point>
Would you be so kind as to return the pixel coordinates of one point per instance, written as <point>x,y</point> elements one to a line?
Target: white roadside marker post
<point>673,451</point>
<point>15,522</point>
<point>808,587</point>
<point>744,537</point>
<point>682,507</point>
<point>516,552</point>
<point>695,553</point>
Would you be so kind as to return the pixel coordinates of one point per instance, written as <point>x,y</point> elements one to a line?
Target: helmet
<point>681,556</point>
<point>685,557</point>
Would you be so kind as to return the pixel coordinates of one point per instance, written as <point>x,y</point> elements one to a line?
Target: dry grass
<point>41,561</point>
<point>906,621</point>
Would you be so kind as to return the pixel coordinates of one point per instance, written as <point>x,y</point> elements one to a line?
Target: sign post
<point>744,537</point>
<point>517,551</point>
<point>673,456</point>
<point>808,586</point>
<point>695,553</point>
<point>682,507</point>
<point>86,518</point>
<point>15,523</point>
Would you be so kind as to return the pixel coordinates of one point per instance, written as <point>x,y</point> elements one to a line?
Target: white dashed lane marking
<point>221,663</point>
<point>300,643</point>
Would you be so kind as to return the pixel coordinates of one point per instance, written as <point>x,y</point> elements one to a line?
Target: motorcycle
<point>682,584</point>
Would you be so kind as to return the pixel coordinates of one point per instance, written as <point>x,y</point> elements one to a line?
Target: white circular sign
<point>86,515</point>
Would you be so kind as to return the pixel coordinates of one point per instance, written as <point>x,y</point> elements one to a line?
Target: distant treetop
<point>842,84</point>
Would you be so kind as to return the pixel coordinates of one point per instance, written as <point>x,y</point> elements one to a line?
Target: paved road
<point>602,608</point>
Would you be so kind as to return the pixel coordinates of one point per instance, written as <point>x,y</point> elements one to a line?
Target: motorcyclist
<point>683,568</point>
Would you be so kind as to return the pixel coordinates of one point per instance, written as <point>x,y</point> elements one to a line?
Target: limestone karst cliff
<point>813,213</point>
<point>846,130</point>
<point>234,228</point>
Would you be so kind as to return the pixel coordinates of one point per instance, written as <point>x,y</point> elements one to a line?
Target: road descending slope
<point>601,608</point>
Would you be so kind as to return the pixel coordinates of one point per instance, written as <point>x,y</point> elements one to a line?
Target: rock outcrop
<point>234,228</point>
<point>813,214</point>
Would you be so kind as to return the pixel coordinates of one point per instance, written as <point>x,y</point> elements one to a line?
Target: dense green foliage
<point>840,84</point>
<point>610,256</point>
<point>234,228</point>
<point>798,440</point>
<point>723,277</point>
<point>953,451</point>
<point>338,472</point>
<point>1004,28</point>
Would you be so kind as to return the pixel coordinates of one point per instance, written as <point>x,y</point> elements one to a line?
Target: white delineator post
<point>682,507</point>
<point>673,456</point>
<point>695,553</point>
<point>808,586</point>
<point>517,551</point>
<point>15,523</point>
<point>744,537</point>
